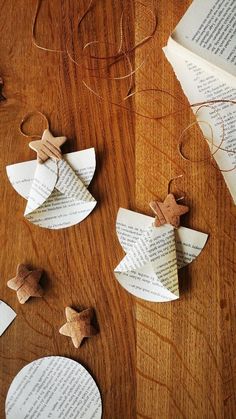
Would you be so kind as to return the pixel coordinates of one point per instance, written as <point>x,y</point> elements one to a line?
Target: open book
<point>202,52</point>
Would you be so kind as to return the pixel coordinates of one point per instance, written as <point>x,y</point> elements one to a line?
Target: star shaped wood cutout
<point>26,283</point>
<point>48,146</point>
<point>78,325</point>
<point>168,212</point>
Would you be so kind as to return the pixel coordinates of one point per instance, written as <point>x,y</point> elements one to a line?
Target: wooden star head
<point>48,146</point>
<point>168,212</point>
<point>26,283</point>
<point>78,325</point>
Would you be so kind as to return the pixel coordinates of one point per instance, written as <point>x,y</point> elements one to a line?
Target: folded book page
<point>153,255</point>
<point>202,83</point>
<point>53,387</point>
<point>207,33</point>
<point>7,315</point>
<point>56,191</point>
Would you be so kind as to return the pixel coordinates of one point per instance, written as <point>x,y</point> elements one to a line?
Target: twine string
<point>26,118</point>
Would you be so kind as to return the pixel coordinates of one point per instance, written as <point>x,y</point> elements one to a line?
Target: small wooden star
<point>26,283</point>
<point>47,147</point>
<point>1,87</point>
<point>168,212</point>
<point>78,325</point>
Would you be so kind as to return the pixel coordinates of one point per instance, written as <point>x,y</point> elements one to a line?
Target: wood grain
<point>156,361</point>
<point>185,349</point>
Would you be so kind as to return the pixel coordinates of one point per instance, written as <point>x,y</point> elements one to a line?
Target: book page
<point>43,184</point>
<point>153,254</point>
<point>208,30</point>
<point>70,184</point>
<point>60,208</point>
<point>53,387</point>
<point>7,315</point>
<point>199,86</point>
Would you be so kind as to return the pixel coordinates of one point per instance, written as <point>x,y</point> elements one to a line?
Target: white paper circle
<point>53,387</point>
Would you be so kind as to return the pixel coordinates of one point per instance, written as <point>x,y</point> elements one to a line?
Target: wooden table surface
<point>160,361</point>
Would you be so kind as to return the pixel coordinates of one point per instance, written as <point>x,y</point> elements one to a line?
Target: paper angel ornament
<point>55,186</point>
<point>149,269</point>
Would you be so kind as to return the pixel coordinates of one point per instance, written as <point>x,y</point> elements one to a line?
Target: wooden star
<point>26,283</point>
<point>1,87</point>
<point>78,325</point>
<point>168,212</point>
<point>47,147</point>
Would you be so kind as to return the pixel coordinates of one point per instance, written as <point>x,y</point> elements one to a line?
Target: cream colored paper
<point>203,80</point>
<point>153,255</point>
<point>56,191</point>
<point>207,32</point>
<point>53,387</point>
<point>7,315</point>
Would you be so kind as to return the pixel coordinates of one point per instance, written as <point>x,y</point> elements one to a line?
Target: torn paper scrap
<point>53,387</point>
<point>56,191</point>
<point>149,270</point>
<point>7,315</point>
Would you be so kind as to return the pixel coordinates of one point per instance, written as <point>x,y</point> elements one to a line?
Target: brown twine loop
<point>122,52</point>
<point>168,211</point>
<point>25,119</point>
<point>126,76</point>
<point>182,141</point>
<point>33,30</point>
<point>214,148</point>
<point>169,186</point>
<point>121,49</point>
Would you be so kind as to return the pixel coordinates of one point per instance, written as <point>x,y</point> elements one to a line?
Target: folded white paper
<point>153,255</point>
<point>7,315</point>
<point>56,191</point>
<point>53,387</point>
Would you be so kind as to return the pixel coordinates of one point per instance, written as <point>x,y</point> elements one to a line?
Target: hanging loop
<point>25,119</point>
<point>169,187</point>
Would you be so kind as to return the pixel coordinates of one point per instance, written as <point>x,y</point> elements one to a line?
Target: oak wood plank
<point>78,261</point>
<point>185,349</point>
<point>158,361</point>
